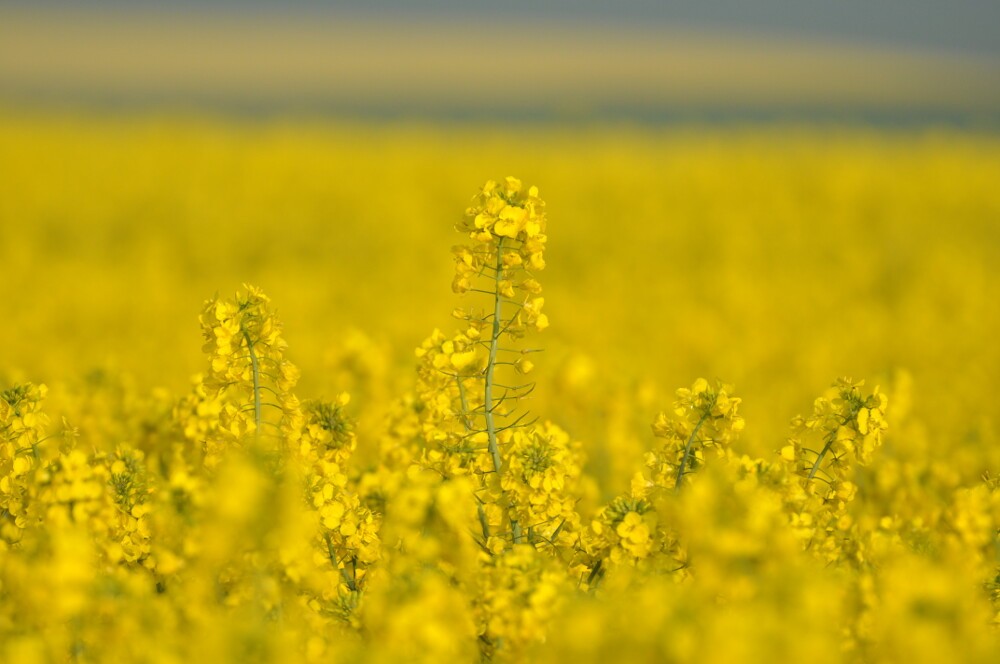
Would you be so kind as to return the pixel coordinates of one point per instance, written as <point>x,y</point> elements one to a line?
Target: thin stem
<point>517,423</point>
<point>483,523</point>
<point>821,455</point>
<point>830,440</point>
<point>515,387</point>
<point>491,365</point>
<point>687,449</point>
<point>255,366</point>
<point>594,573</point>
<point>491,430</point>
<point>265,403</point>
<point>465,403</point>
<point>333,560</point>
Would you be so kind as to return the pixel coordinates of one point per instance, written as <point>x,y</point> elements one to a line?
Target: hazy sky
<point>565,58</point>
<point>963,25</point>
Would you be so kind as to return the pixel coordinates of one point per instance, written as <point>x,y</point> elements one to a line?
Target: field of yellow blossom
<point>315,391</point>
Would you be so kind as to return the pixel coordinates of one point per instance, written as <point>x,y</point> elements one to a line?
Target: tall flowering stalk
<point>347,536</point>
<point>705,416</point>
<point>470,409</point>
<point>632,528</point>
<point>22,428</point>
<point>844,430</point>
<point>506,226</point>
<point>525,475</point>
<point>247,374</point>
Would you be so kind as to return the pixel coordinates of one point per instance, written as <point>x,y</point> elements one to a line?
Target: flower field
<point>319,391</point>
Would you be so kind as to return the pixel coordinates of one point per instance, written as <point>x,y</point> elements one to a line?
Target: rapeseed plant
<point>240,523</point>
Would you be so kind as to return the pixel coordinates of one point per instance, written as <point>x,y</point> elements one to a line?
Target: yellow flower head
<point>506,227</point>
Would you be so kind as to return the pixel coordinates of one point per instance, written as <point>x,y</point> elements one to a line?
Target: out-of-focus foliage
<point>467,511</point>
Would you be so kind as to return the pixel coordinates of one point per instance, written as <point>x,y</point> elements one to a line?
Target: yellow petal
<point>462,360</point>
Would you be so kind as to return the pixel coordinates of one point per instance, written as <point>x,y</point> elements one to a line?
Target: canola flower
<point>236,522</point>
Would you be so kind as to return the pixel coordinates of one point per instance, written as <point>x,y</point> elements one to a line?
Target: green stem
<point>465,404</point>
<point>491,431</point>
<point>255,367</point>
<point>483,523</point>
<point>348,580</point>
<point>820,456</point>
<point>687,450</point>
<point>830,440</point>
<point>468,425</point>
<point>595,573</point>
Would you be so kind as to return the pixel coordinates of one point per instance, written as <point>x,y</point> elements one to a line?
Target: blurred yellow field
<point>775,258</point>
<point>772,259</point>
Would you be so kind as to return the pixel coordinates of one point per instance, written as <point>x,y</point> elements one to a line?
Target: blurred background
<point>774,193</point>
<point>636,60</point>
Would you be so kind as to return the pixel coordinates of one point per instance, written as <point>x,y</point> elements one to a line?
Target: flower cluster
<point>519,593</point>
<point>468,413</point>
<point>542,479</point>
<point>247,369</point>
<point>22,427</point>
<point>506,227</point>
<point>623,532</point>
<point>704,417</point>
<point>349,530</point>
<point>845,428</point>
<point>450,393</point>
